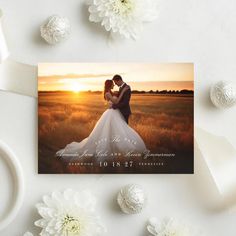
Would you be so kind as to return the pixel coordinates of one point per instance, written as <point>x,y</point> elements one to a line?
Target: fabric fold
<point>4,52</point>
<point>18,78</point>
<point>14,76</point>
<point>220,157</point>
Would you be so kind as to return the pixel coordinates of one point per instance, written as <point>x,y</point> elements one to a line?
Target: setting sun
<point>76,87</point>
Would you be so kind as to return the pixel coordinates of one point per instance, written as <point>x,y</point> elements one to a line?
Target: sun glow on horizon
<point>75,86</point>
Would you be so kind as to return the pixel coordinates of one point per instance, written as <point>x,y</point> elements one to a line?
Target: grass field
<point>165,122</point>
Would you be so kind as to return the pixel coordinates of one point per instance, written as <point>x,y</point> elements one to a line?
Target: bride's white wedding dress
<point>111,137</point>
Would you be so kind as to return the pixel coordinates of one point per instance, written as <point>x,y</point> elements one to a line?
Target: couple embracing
<point>111,136</point>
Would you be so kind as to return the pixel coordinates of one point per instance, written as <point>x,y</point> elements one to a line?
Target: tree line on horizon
<point>183,91</point>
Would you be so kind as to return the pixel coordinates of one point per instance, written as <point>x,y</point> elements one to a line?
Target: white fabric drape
<point>4,53</point>
<point>220,157</point>
<point>14,76</point>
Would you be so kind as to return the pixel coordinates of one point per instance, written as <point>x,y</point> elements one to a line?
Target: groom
<point>123,104</point>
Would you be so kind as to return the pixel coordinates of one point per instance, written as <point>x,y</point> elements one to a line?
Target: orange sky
<point>91,76</point>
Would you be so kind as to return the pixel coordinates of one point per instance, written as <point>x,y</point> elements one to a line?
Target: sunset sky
<point>91,76</point>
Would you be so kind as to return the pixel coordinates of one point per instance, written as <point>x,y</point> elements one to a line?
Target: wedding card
<point>115,118</point>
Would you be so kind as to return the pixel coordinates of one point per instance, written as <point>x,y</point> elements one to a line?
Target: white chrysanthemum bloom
<point>124,17</point>
<point>69,213</point>
<point>169,227</point>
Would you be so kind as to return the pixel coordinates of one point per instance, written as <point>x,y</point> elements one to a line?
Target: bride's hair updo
<point>107,86</point>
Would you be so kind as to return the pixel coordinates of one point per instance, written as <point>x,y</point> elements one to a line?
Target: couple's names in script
<point>101,153</point>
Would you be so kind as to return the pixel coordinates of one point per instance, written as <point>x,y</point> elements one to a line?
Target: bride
<point>111,136</point>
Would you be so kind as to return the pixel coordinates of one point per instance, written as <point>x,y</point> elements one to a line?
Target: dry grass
<point>164,122</point>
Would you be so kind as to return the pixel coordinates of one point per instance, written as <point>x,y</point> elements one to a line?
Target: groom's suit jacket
<point>123,104</point>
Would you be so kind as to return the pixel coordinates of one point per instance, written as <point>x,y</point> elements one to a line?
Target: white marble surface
<point>199,31</point>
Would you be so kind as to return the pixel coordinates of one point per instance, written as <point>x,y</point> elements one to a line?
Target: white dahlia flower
<point>69,213</point>
<point>124,17</point>
<point>169,227</point>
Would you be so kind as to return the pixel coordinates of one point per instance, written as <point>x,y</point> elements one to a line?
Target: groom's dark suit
<point>123,104</point>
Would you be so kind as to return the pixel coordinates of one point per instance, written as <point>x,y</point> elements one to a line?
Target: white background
<point>199,31</point>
